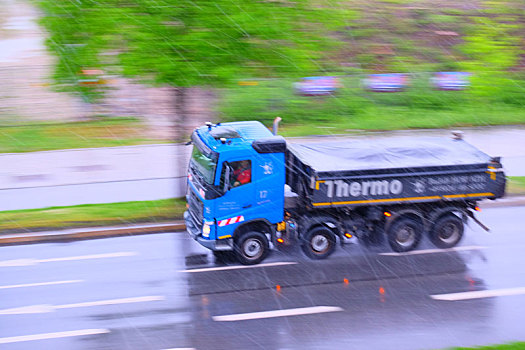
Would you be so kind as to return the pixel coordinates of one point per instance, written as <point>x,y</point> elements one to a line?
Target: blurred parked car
<point>391,82</point>
<point>317,86</point>
<point>451,80</point>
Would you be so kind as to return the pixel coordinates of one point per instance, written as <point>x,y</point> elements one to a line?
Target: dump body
<point>391,171</point>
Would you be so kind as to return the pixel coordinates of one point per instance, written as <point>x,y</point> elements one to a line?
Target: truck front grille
<point>195,208</point>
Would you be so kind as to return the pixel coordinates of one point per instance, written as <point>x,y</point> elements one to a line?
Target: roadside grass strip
<point>91,215</point>
<point>44,336</point>
<point>479,294</point>
<point>277,313</point>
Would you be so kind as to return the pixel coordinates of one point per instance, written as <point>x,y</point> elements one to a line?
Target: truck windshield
<point>204,165</point>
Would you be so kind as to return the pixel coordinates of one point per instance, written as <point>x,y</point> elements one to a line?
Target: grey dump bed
<point>391,170</point>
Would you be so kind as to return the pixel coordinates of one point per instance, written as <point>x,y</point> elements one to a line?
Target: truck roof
<point>236,133</point>
<point>387,153</point>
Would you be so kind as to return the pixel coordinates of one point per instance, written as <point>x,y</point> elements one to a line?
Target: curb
<point>106,232</point>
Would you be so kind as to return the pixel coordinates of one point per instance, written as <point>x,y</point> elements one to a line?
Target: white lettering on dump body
<point>364,188</point>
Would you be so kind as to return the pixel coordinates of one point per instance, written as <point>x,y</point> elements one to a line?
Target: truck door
<point>239,199</point>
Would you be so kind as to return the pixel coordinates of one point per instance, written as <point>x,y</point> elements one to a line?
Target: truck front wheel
<point>404,234</point>
<point>319,243</point>
<point>447,231</point>
<point>252,248</point>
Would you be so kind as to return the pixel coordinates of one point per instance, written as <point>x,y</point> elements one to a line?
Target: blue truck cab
<point>235,194</point>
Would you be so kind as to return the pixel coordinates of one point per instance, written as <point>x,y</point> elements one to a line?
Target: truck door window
<point>226,177</point>
<point>242,172</point>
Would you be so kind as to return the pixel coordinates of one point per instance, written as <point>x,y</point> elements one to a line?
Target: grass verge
<point>352,108</point>
<point>510,346</point>
<point>91,215</point>
<point>516,185</point>
<point>105,132</point>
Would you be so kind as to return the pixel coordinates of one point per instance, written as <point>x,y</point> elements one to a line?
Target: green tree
<point>186,43</point>
<point>189,43</point>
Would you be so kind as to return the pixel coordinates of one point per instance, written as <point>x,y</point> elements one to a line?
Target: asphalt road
<point>163,291</point>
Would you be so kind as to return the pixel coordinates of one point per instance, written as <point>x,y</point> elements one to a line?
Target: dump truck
<point>249,190</point>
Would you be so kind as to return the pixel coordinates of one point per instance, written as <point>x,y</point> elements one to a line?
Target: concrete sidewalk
<point>68,235</point>
<point>91,175</point>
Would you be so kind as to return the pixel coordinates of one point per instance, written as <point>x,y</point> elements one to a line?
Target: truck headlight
<point>206,228</point>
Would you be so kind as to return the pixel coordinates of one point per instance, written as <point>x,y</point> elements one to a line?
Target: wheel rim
<point>320,243</point>
<point>406,236</point>
<point>252,248</point>
<point>449,233</point>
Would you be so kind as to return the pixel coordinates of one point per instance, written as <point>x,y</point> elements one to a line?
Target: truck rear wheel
<point>252,248</point>
<point>447,231</point>
<point>404,234</point>
<point>319,243</point>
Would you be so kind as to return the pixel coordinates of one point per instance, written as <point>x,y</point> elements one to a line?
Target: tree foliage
<point>187,43</point>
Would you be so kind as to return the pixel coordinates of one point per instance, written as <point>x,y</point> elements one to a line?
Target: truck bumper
<point>196,234</point>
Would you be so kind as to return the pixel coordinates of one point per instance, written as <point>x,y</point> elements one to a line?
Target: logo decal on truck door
<point>268,168</point>
<point>419,186</point>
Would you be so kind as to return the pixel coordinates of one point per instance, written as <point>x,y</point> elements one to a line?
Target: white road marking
<point>222,268</point>
<point>44,336</point>
<point>93,256</point>
<point>18,262</point>
<point>112,302</point>
<point>180,349</point>
<point>277,313</point>
<point>31,309</point>
<point>479,294</point>
<point>432,251</point>
<point>39,284</point>
<point>29,262</point>
<point>44,308</point>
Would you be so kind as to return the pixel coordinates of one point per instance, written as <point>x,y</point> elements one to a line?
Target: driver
<point>243,174</point>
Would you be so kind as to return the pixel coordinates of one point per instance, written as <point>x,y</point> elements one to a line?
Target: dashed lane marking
<point>40,284</point>
<point>277,313</point>
<point>223,268</point>
<point>44,336</point>
<point>30,262</point>
<point>44,308</point>
<point>433,251</point>
<point>479,294</point>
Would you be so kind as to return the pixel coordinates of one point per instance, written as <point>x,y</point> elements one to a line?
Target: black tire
<point>447,231</point>
<point>319,243</point>
<point>405,234</point>
<point>251,248</point>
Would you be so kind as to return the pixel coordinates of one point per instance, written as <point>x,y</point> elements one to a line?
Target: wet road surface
<point>164,291</point>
